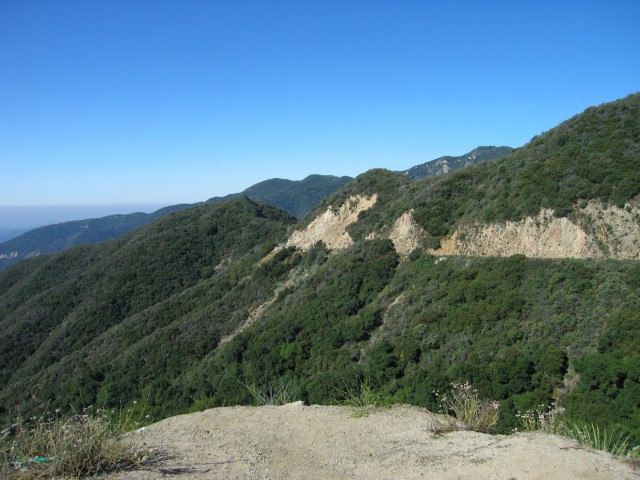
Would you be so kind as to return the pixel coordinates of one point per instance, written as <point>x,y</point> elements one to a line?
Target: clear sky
<point>164,102</point>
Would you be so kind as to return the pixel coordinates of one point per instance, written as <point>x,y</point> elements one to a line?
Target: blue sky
<point>163,102</point>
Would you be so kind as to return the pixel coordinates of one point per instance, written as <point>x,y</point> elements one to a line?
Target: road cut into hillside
<point>321,442</point>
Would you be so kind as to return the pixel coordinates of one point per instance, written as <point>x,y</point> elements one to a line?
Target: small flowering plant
<point>544,419</point>
<point>470,411</point>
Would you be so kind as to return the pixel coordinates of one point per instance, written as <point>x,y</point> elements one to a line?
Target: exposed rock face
<point>597,231</point>
<point>330,227</point>
<point>443,167</point>
<point>616,229</point>
<point>594,230</point>
<point>406,234</point>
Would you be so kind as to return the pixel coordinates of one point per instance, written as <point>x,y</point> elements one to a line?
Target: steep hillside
<point>187,312</point>
<point>513,327</point>
<point>155,299</point>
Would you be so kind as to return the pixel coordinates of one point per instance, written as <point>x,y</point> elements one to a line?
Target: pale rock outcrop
<point>597,231</point>
<point>406,234</point>
<point>617,229</point>
<point>330,227</point>
<point>444,167</point>
<point>594,230</point>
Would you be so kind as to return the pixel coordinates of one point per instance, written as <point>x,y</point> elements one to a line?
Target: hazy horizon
<point>34,216</point>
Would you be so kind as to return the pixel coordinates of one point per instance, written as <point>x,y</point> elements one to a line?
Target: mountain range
<point>519,275</point>
<point>296,197</point>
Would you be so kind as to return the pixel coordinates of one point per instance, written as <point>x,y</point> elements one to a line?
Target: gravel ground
<point>321,442</point>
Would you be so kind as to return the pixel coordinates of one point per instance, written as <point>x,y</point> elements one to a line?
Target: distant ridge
<point>9,233</point>
<point>60,236</point>
<point>296,197</point>
<point>448,164</point>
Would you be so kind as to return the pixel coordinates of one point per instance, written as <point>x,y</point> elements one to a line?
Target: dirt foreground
<point>320,442</point>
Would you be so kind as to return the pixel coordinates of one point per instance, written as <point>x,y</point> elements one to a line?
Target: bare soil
<point>321,442</point>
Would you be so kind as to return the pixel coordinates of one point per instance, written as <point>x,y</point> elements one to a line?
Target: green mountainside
<point>130,292</point>
<point>181,314</point>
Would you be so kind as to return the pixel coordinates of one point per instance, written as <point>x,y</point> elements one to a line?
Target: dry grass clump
<point>75,446</point>
<point>470,411</point>
<point>279,392</point>
<point>608,439</point>
<point>611,440</point>
<point>366,396</point>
